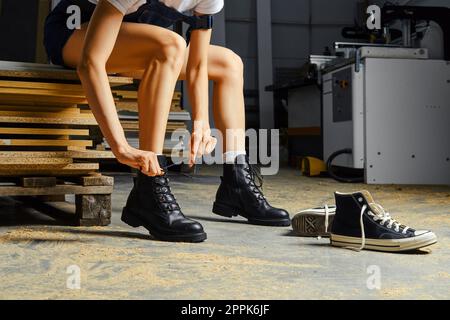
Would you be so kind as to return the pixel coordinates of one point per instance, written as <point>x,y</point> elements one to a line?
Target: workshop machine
<point>386,107</point>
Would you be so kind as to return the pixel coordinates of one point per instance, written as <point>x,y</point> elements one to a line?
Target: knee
<point>233,67</point>
<point>172,51</point>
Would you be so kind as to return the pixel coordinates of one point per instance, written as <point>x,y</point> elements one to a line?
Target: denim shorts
<point>57,33</point>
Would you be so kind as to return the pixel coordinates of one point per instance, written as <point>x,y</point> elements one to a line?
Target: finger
<point>210,145</point>
<point>195,143</point>
<point>154,168</point>
<point>147,168</point>
<point>144,164</point>
<point>202,146</point>
<point>134,165</point>
<point>159,171</point>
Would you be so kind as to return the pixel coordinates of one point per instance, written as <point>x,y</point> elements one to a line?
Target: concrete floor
<point>238,261</point>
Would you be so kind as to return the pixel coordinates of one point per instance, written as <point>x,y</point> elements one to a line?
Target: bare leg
<point>155,50</point>
<point>226,69</point>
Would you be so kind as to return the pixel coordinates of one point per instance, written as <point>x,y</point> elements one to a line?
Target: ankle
<point>230,157</point>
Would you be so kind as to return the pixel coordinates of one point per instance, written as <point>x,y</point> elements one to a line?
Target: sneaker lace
<point>327,214</point>
<point>382,217</point>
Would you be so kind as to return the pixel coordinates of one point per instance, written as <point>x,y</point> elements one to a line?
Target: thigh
<point>219,59</point>
<point>135,46</point>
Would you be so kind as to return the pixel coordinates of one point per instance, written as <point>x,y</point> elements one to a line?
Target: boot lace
<point>382,217</point>
<point>164,196</point>
<point>253,175</point>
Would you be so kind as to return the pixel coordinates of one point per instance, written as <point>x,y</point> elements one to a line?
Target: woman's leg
<point>156,51</point>
<point>159,53</point>
<point>225,69</point>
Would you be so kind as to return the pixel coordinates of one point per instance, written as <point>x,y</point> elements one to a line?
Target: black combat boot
<point>360,223</point>
<point>238,194</point>
<point>152,205</point>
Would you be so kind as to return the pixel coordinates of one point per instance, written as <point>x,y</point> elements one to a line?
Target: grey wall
<point>299,28</point>
<point>240,26</point>
<point>305,27</point>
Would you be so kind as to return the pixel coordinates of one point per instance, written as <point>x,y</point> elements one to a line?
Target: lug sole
<point>227,211</point>
<point>134,221</point>
<point>311,225</point>
<point>389,245</point>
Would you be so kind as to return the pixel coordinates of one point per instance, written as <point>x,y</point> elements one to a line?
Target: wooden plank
<point>38,99</point>
<point>96,181</point>
<point>72,109</point>
<point>44,93</point>
<point>39,142</point>
<point>76,148</point>
<point>75,88</point>
<point>33,182</point>
<point>50,120</point>
<point>61,167</point>
<point>131,105</point>
<point>32,161</point>
<point>12,113</point>
<point>12,69</point>
<point>134,124</point>
<point>45,131</point>
<point>67,170</point>
<point>177,95</point>
<point>40,104</point>
<point>44,173</point>
<point>87,154</point>
<point>130,94</point>
<point>125,94</point>
<point>58,189</point>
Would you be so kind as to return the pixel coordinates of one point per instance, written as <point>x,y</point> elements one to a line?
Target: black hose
<point>334,175</point>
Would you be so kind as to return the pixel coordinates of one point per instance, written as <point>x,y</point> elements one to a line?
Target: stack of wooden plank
<point>45,142</point>
<point>127,107</point>
<point>44,129</point>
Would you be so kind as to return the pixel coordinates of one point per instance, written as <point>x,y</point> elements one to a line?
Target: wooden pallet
<point>92,196</point>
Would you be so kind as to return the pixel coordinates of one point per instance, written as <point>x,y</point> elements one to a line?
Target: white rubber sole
<point>390,245</point>
<point>311,223</point>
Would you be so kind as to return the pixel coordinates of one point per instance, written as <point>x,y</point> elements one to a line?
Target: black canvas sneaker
<point>360,223</point>
<point>315,222</point>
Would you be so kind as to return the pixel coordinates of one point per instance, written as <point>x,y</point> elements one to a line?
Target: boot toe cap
<point>189,226</point>
<point>279,213</point>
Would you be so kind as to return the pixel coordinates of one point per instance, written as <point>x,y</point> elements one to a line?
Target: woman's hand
<point>145,161</point>
<point>202,143</point>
